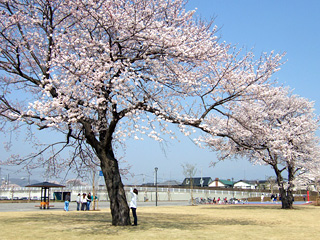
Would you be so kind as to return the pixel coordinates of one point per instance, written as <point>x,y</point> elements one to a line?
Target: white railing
<point>145,192</point>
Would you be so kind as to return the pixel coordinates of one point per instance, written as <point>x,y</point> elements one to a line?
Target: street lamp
<point>156,170</point>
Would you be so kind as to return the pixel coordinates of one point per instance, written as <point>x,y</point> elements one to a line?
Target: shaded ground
<point>171,222</point>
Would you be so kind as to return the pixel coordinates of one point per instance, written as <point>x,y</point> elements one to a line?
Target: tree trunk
<point>109,165</point>
<point>286,193</point>
<point>118,202</point>
<point>286,198</point>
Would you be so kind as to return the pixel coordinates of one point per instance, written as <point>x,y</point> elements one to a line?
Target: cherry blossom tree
<point>278,129</point>
<point>309,177</point>
<point>102,71</point>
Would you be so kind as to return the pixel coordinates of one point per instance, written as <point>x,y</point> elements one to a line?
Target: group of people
<point>274,197</point>
<point>220,201</point>
<point>84,201</point>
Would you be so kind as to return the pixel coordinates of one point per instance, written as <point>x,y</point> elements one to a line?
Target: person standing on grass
<point>78,201</point>
<point>66,202</point>
<point>133,205</point>
<point>84,202</point>
<point>88,201</point>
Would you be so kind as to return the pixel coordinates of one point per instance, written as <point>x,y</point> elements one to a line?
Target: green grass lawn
<point>182,222</point>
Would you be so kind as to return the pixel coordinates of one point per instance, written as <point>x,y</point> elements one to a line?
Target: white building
<point>221,183</point>
<point>244,184</point>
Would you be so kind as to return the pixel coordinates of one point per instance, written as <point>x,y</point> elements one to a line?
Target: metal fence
<point>146,193</point>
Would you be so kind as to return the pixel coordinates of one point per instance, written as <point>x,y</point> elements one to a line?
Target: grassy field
<point>183,222</point>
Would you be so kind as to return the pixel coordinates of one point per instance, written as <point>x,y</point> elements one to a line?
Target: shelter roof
<point>45,184</point>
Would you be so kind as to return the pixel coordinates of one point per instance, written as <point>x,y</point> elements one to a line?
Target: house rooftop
<point>226,182</point>
<point>197,181</point>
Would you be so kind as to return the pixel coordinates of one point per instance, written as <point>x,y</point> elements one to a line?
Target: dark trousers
<point>134,214</point>
<point>83,206</point>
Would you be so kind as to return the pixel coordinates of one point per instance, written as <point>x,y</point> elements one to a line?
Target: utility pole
<point>93,189</point>
<point>29,188</point>
<point>201,180</point>
<point>156,182</point>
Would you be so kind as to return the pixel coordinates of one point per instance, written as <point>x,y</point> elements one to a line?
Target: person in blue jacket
<point>66,202</point>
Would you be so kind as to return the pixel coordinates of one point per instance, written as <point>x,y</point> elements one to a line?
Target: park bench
<point>44,205</point>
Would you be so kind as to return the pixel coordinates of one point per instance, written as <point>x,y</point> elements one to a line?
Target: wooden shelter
<point>45,192</point>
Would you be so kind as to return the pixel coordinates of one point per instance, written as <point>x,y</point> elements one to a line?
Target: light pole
<point>156,170</point>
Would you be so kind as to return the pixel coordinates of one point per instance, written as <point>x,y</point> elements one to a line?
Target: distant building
<point>75,183</point>
<point>150,184</point>
<point>221,183</point>
<point>246,184</point>
<point>170,183</point>
<point>264,184</point>
<point>166,183</point>
<point>197,182</point>
<point>10,186</point>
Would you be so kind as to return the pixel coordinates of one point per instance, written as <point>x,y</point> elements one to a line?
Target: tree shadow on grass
<point>76,222</point>
<point>241,207</point>
<point>185,221</point>
<point>99,223</point>
<point>249,207</point>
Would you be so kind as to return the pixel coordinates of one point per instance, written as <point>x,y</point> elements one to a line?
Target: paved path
<point>59,206</point>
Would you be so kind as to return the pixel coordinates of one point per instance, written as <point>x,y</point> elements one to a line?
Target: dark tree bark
<point>286,198</point>
<point>118,202</point>
<point>286,193</point>
<point>110,168</point>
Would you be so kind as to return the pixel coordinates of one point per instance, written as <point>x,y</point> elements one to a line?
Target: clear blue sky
<point>289,26</point>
